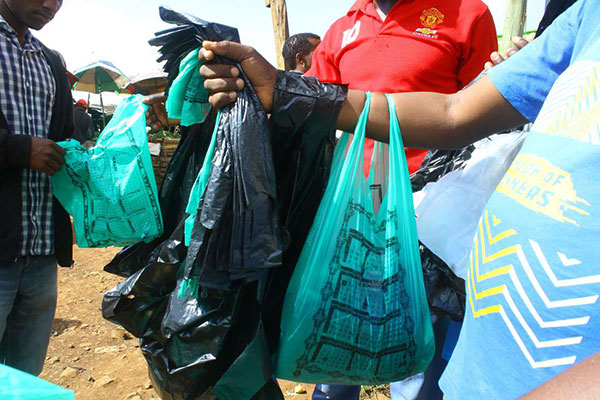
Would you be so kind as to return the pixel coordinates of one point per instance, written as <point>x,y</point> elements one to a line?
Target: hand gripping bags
<point>355,311</point>
<point>110,189</point>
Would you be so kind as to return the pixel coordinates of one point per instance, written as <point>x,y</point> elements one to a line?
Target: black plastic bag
<point>303,122</point>
<point>445,291</point>
<point>236,235</point>
<point>438,163</point>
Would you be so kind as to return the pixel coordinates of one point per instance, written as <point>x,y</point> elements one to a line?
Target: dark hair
<point>295,44</point>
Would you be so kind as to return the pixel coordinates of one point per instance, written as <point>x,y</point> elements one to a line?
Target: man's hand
<point>156,116</point>
<point>496,58</point>
<point>46,156</point>
<point>223,81</point>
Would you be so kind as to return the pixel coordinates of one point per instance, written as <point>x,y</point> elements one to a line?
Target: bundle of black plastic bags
<point>266,184</point>
<point>210,343</point>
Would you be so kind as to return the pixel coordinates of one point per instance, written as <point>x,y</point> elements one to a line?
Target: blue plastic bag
<point>110,189</point>
<point>355,311</point>
<point>18,385</point>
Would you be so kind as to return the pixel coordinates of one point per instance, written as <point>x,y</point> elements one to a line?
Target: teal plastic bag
<point>188,100</point>
<point>200,184</point>
<point>355,311</point>
<point>110,189</point>
<point>18,385</point>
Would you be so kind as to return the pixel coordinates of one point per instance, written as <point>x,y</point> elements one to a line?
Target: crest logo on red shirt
<point>432,17</point>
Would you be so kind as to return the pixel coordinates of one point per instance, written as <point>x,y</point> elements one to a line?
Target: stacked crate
<point>160,161</point>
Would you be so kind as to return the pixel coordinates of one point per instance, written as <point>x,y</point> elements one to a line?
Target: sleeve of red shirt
<point>481,43</point>
<point>323,66</point>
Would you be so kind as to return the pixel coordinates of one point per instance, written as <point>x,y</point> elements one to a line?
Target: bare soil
<point>99,360</point>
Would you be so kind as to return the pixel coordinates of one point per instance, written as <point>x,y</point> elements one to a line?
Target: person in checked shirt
<point>35,233</point>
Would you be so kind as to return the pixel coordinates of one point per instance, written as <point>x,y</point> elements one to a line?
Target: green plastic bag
<point>200,184</point>
<point>188,100</point>
<point>19,385</point>
<point>355,311</point>
<point>110,189</point>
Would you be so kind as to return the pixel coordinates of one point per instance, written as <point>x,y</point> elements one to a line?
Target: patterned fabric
<point>27,90</point>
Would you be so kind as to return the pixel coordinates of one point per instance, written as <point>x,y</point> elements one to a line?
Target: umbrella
<point>98,77</point>
<point>72,78</point>
<point>148,83</point>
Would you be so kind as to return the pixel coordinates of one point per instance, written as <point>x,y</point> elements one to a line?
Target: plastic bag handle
<point>354,158</point>
<point>399,176</point>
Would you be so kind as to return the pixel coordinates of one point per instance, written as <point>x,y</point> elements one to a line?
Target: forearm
<point>433,120</point>
<point>581,382</point>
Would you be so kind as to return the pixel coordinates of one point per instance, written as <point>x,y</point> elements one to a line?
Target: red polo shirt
<point>423,45</point>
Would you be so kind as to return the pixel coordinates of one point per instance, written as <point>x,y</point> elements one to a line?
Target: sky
<point>118,30</point>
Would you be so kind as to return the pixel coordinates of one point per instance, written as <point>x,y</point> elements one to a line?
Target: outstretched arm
<point>578,382</point>
<point>427,120</point>
<point>437,121</point>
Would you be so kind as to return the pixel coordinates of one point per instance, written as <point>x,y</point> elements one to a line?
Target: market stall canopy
<point>100,76</point>
<point>148,83</point>
<point>72,78</point>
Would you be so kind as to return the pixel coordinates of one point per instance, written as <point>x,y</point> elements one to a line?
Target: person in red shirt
<point>406,46</point>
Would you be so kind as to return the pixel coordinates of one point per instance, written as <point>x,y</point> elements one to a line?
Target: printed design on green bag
<point>110,190</point>
<point>124,218</point>
<point>359,297</point>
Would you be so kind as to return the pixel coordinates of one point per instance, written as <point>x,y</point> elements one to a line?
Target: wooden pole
<point>514,24</point>
<point>280,27</point>
<point>103,113</point>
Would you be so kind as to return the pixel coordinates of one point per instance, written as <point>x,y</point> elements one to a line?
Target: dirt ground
<point>99,360</point>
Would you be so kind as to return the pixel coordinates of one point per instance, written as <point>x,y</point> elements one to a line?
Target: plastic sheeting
<point>110,189</point>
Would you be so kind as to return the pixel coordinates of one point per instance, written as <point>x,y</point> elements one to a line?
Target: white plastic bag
<point>450,208</point>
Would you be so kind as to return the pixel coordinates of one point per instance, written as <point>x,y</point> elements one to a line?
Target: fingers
<point>496,58</point>
<point>510,52</point>
<point>160,114</point>
<point>222,82</point>
<point>52,167</point>
<point>488,65</point>
<point>154,99</point>
<point>219,100</point>
<point>233,50</point>
<point>223,85</point>
<point>519,42</point>
<point>205,55</point>
<point>156,115</point>
<point>59,149</point>
<point>212,71</point>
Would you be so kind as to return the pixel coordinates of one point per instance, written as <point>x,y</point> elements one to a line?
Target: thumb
<point>233,50</point>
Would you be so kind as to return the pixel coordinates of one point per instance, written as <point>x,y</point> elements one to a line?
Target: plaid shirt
<point>27,90</point>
